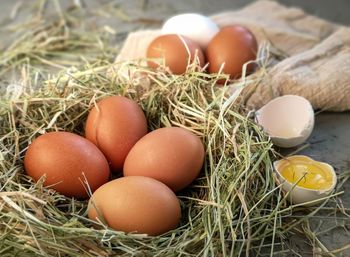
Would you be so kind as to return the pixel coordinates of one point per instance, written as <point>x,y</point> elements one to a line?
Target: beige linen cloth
<point>315,54</point>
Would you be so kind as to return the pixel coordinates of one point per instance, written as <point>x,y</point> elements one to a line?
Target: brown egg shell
<point>176,52</point>
<point>136,204</point>
<point>232,46</point>
<point>66,159</point>
<point>171,155</point>
<point>115,125</point>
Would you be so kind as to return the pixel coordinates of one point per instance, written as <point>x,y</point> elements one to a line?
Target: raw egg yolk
<point>307,174</point>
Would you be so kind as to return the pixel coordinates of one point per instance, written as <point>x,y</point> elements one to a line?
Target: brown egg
<point>175,51</point>
<point>232,47</point>
<point>136,204</point>
<point>173,156</point>
<point>66,160</point>
<point>115,126</point>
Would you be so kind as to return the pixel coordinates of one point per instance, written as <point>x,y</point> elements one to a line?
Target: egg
<point>305,179</point>
<point>67,161</point>
<point>231,48</point>
<point>171,155</point>
<point>136,204</point>
<point>114,125</point>
<point>288,119</point>
<point>175,52</point>
<point>199,28</point>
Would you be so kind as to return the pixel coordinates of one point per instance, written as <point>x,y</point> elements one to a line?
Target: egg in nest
<point>176,52</point>
<point>67,161</point>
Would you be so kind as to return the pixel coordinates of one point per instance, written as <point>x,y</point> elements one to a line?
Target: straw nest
<point>233,208</point>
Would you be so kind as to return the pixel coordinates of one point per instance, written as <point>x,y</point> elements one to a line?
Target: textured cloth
<point>310,57</point>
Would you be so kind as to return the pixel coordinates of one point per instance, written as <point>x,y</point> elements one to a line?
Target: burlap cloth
<point>313,57</point>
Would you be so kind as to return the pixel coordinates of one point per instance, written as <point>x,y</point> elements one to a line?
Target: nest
<point>233,207</point>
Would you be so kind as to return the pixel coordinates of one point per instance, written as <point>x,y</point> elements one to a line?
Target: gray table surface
<point>330,140</point>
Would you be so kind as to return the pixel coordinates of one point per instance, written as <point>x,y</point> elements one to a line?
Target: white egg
<point>303,195</point>
<point>197,27</point>
<point>288,120</point>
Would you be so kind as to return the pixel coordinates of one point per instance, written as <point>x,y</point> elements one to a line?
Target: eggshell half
<point>196,27</point>
<point>301,195</point>
<point>136,204</point>
<point>289,120</point>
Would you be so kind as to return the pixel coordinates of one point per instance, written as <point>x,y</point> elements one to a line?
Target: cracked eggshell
<point>288,120</point>
<point>196,27</point>
<point>302,195</point>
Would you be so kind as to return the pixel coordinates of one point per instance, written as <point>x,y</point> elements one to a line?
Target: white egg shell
<point>288,120</point>
<point>197,27</point>
<point>301,195</point>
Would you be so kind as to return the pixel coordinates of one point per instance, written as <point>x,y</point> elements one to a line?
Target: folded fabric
<point>311,55</point>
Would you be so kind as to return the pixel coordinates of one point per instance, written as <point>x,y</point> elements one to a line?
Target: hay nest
<point>233,207</point>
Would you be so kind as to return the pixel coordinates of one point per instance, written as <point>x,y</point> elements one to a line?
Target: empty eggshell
<point>319,185</point>
<point>197,27</point>
<point>289,120</point>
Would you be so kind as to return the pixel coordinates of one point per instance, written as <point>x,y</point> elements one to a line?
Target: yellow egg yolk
<point>307,174</point>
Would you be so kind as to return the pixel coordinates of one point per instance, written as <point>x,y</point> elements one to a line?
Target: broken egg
<point>288,120</point>
<point>305,179</point>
